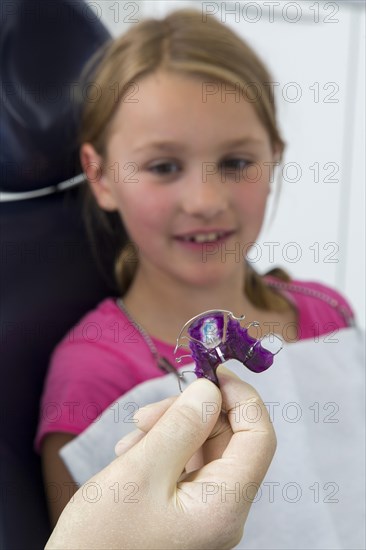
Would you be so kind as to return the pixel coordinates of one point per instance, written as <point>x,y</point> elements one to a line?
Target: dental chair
<point>49,276</point>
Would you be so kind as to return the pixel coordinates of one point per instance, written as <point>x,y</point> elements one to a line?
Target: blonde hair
<point>181,43</point>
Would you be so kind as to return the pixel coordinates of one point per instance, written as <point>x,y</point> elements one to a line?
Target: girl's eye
<point>164,168</point>
<point>236,164</point>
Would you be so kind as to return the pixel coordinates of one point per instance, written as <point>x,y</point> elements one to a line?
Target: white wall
<point>318,60</point>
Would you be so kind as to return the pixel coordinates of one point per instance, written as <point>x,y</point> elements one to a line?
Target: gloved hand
<point>185,479</point>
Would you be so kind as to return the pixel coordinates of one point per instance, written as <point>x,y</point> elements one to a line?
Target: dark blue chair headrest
<point>48,275</point>
<point>43,47</point>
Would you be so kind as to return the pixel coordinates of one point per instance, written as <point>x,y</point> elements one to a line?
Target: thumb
<point>179,433</point>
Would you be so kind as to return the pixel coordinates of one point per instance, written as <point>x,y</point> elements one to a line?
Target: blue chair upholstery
<point>48,277</point>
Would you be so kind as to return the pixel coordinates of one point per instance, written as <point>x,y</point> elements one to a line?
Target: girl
<point>170,153</point>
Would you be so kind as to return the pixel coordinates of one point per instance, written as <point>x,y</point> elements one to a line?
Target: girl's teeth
<point>201,238</point>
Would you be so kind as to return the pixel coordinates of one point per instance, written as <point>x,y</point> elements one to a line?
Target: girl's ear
<point>92,165</point>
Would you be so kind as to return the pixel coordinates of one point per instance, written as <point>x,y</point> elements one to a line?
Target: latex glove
<point>158,506</point>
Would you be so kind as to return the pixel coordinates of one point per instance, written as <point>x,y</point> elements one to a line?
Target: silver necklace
<point>162,362</point>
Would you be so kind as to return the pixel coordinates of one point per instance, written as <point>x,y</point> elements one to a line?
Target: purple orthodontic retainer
<point>210,346</point>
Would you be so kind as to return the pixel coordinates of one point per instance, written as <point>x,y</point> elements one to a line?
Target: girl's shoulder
<point>102,345</point>
<point>321,308</point>
<point>93,344</point>
<point>99,359</point>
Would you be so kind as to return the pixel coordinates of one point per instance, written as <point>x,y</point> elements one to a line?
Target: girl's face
<point>190,198</point>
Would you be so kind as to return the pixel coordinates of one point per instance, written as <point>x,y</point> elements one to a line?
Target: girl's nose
<point>204,196</point>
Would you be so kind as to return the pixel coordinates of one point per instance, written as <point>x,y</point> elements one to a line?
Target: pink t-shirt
<point>104,356</point>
